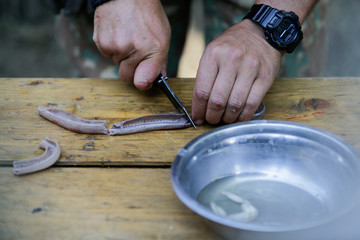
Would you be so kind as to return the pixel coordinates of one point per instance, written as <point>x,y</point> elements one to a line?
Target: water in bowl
<point>278,203</point>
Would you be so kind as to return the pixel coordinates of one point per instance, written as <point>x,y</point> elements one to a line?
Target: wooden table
<point>118,187</point>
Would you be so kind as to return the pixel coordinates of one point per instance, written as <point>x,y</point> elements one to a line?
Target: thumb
<point>146,72</point>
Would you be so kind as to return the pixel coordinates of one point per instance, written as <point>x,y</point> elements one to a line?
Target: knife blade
<point>161,82</point>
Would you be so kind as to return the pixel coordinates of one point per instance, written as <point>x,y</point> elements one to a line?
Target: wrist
<point>282,29</point>
<point>258,30</point>
<point>301,8</point>
<point>253,27</point>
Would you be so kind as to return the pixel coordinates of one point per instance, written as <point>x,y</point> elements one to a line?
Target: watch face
<point>286,32</point>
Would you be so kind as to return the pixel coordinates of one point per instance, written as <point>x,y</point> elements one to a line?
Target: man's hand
<point>136,35</point>
<point>235,72</point>
<point>238,68</point>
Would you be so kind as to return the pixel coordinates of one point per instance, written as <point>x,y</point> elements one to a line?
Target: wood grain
<point>21,128</point>
<point>331,104</point>
<point>128,200</point>
<point>95,203</point>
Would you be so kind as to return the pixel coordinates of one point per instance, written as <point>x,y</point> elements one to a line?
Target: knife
<point>161,82</point>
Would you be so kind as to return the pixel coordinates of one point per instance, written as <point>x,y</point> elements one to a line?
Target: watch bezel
<point>270,18</point>
<point>275,41</point>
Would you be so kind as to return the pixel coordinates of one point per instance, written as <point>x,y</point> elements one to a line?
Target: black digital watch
<point>96,3</point>
<point>282,29</point>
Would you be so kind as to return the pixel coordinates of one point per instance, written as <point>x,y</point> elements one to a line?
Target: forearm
<point>301,7</point>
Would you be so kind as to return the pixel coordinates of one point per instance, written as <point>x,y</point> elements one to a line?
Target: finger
<point>219,95</point>
<point>113,46</point>
<point>164,67</point>
<point>127,69</point>
<point>237,99</point>
<point>104,47</point>
<point>105,43</point>
<point>240,91</point>
<point>257,93</point>
<point>147,71</point>
<point>205,79</point>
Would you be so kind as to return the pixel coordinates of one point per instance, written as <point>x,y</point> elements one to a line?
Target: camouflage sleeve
<point>307,59</point>
<point>69,7</point>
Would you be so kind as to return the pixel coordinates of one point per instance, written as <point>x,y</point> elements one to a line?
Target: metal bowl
<point>301,180</point>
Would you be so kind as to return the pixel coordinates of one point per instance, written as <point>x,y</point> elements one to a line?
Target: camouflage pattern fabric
<point>306,60</point>
<point>75,35</point>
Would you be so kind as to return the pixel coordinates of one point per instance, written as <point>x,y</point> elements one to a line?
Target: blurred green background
<point>29,47</point>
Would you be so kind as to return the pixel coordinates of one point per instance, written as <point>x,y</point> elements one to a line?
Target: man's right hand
<point>136,35</point>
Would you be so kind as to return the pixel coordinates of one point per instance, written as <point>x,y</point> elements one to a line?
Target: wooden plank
<point>331,104</point>
<point>21,129</point>
<point>95,203</point>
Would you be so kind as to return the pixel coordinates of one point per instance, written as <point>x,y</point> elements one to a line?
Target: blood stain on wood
<point>317,113</point>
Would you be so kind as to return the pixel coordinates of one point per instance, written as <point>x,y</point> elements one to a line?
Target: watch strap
<point>279,33</point>
<point>262,14</point>
<point>96,3</point>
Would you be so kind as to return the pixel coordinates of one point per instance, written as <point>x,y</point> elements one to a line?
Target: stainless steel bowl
<point>302,180</point>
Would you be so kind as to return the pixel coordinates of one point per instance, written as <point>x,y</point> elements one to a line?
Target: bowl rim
<point>206,213</point>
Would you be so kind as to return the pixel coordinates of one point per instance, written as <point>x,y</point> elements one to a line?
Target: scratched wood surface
<point>331,104</point>
<point>21,129</point>
<point>95,203</point>
<point>68,202</point>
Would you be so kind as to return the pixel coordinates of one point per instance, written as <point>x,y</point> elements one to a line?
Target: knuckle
<point>201,94</point>
<point>103,41</point>
<point>217,103</point>
<point>252,104</point>
<point>251,61</point>
<point>104,45</point>
<point>95,39</point>
<point>117,45</point>
<point>235,54</point>
<point>213,50</point>
<point>235,103</point>
<point>234,109</point>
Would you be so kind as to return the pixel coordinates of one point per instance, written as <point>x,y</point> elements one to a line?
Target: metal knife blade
<point>164,86</point>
